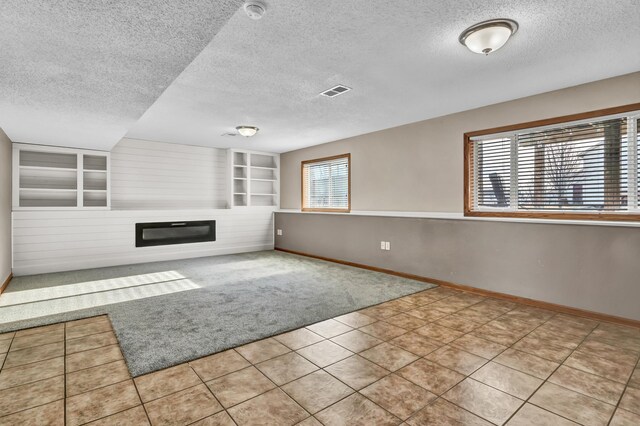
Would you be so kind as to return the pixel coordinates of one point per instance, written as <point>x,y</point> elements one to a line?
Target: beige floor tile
<point>588,384</point>
<point>355,319</point>
<point>356,341</point>
<point>285,368</point>
<point>572,405</point>
<point>51,414</point>
<point>324,353</point>
<point>329,328</point>
<point>604,350</point>
<point>416,343</point>
<point>443,413</point>
<point>356,410</point>
<point>383,331</point>
<point>624,418</point>
<point>33,340</point>
<point>91,342</point>
<point>239,386</point>
<point>357,372</point>
<point>531,415</point>
<point>484,401</point>
<point>214,366</point>
<point>31,395</point>
<point>600,366</point>
<point>419,299</point>
<point>298,338</point>
<point>507,380</point>
<point>427,313</point>
<point>38,330</point>
<point>477,316</point>
<point>497,333</point>
<point>271,408</point>
<point>389,356</point>
<point>101,403</point>
<point>96,377</point>
<point>262,350</point>
<point>184,407</point>
<point>477,346</point>
<point>164,382</point>
<point>560,339</point>
<point>565,327</point>
<point>92,358</point>
<point>456,359</point>
<point>542,349</point>
<point>7,336</point>
<point>398,304</point>
<point>30,373</point>
<point>317,391</point>
<point>220,419</point>
<point>618,338</point>
<point>631,400</point>
<point>29,355</point>
<point>398,396</point>
<point>5,345</point>
<point>379,312</point>
<point>85,321</point>
<point>94,327</point>
<point>458,322</point>
<point>431,376</point>
<point>634,382</point>
<point>439,333</point>
<point>133,416</point>
<point>527,363</point>
<point>406,321</point>
<point>311,421</point>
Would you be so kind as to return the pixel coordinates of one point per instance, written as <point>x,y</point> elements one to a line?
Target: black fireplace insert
<point>165,233</point>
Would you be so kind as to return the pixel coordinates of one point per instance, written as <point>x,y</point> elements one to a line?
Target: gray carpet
<point>230,300</point>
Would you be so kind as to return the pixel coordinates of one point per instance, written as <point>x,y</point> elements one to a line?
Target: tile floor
<point>437,357</point>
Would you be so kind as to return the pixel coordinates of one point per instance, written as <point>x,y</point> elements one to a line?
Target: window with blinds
<point>326,184</point>
<point>576,169</point>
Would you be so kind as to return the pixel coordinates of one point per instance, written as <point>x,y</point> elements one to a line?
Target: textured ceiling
<point>83,73</point>
<point>80,73</point>
<point>402,59</point>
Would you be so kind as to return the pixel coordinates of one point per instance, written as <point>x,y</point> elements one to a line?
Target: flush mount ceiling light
<point>247,131</point>
<point>255,9</point>
<point>488,36</point>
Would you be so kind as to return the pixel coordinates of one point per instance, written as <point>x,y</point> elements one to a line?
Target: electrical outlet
<point>382,245</point>
<point>387,245</point>
<point>279,232</point>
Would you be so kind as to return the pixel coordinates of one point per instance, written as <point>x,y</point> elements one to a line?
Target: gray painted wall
<point>587,267</point>
<point>5,206</point>
<point>419,167</point>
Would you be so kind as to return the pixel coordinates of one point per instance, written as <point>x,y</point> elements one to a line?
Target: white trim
<point>461,216</point>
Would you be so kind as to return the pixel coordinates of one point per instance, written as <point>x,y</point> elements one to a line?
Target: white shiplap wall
<point>50,241</point>
<point>150,182</point>
<point>156,175</point>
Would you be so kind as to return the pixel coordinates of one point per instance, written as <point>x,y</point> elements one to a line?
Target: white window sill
<point>460,216</point>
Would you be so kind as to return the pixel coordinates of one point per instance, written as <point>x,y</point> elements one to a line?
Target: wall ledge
<point>461,216</point>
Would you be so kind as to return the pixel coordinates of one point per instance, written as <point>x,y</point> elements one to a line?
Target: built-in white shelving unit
<point>255,179</point>
<point>59,178</point>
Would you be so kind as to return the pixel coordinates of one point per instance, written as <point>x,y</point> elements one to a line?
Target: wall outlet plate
<point>387,245</point>
<point>279,232</point>
<point>382,245</point>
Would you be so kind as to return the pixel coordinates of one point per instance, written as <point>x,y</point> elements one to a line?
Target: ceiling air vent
<point>335,91</point>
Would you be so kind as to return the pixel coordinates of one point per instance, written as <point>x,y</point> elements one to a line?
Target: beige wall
<point>5,206</point>
<point>419,166</point>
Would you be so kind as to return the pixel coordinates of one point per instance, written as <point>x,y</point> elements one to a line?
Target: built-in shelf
<point>254,178</point>
<point>53,177</point>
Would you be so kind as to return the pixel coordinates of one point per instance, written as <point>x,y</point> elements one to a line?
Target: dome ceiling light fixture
<point>488,36</point>
<point>247,131</point>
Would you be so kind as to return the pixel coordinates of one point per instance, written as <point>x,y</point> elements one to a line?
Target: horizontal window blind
<point>325,184</point>
<point>583,167</point>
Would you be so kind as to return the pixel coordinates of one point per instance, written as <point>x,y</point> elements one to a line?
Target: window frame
<point>302,184</point>
<point>633,215</point>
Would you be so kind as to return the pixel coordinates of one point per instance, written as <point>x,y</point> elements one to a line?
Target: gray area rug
<point>231,300</point>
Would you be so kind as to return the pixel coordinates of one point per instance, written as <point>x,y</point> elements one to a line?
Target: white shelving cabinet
<point>254,179</point>
<point>59,178</point>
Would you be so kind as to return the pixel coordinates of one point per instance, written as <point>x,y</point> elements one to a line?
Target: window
<point>578,167</point>
<point>326,184</point>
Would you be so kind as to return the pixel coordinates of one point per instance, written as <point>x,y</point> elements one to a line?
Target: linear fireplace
<point>165,233</point>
